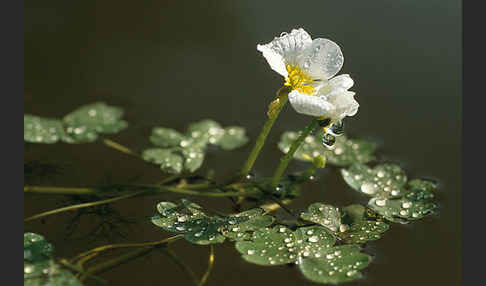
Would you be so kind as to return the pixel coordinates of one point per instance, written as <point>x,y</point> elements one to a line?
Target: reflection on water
<point>171,63</point>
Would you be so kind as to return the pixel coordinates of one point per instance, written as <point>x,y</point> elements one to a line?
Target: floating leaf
<point>238,230</point>
<point>363,231</point>
<point>343,153</point>
<point>325,215</point>
<point>384,180</point>
<point>48,273</point>
<point>312,247</point>
<point>97,117</point>
<point>234,137</point>
<point>198,228</point>
<point>415,204</point>
<point>165,137</point>
<point>207,130</point>
<point>191,147</point>
<point>193,158</point>
<point>340,264</point>
<point>80,126</point>
<point>36,248</point>
<point>42,130</point>
<point>168,160</point>
<point>39,268</point>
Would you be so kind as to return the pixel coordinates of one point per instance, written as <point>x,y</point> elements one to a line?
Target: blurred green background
<point>169,63</point>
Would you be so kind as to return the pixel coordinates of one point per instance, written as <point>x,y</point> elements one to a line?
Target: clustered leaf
<point>310,247</point>
<point>392,197</point>
<point>80,126</point>
<point>350,224</point>
<point>39,267</point>
<point>176,153</point>
<point>199,228</point>
<point>344,152</point>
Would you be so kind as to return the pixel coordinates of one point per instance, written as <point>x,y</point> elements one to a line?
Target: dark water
<point>168,63</point>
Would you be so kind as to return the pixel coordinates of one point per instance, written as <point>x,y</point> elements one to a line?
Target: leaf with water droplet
<point>39,267</point>
<point>165,137</point>
<point>234,137</point>
<point>207,131</point>
<point>84,123</point>
<point>42,130</point>
<point>36,248</point>
<point>415,204</point>
<point>168,160</point>
<point>344,151</point>
<point>238,229</point>
<point>385,180</point>
<point>193,158</point>
<point>337,265</point>
<point>199,228</point>
<point>323,214</point>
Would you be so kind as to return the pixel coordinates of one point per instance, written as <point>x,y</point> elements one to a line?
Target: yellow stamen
<point>298,80</point>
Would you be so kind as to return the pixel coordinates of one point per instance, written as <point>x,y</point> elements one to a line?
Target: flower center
<point>298,80</point>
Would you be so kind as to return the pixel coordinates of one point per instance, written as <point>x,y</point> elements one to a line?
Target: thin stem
<point>284,162</point>
<point>60,190</point>
<point>181,265</point>
<point>157,188</point>
<point>120,245</point>
<point>119,147</point>
<point>282,95</point>
<point>210,266</point>
<point>85,205</point>
<point>116,261</point>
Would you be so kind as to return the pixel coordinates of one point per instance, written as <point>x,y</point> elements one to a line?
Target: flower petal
<point>341,82</point>
<point>344,104</point>
<point>284,50</point>
<point>310,104</point>
<point>322,59</point>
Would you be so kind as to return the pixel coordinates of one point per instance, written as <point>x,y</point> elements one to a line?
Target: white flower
<point>308,67</point>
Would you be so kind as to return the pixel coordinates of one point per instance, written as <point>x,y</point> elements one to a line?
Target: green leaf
<point>39,267</point>
<point>42,130</point>
<point>168,160</point>
<point>343,153</point>
<point>165,137</point>
<point>207,131</point>
<point>193,158</point>
<point>234,137</point>
<point>312,247</point>
<point>48,273</point>
<point>339,264</point>
<point>97,117</point>
<point>385,180</point>
<point>198,228</point>
<point>415,204</point>
<point>36,248</point>
<point>325,215</point>
<point>363,231</point>
<point>238,230</point>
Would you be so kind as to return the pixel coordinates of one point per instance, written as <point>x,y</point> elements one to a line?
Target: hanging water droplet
<point>337,129</point>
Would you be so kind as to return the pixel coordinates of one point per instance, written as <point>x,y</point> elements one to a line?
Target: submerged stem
<point>285,160</point>
<point>210,266</point>
<point>282,95</point>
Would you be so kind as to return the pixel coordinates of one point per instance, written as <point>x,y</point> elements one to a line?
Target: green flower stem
<point>284,162</point>
<point>282,94</point>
